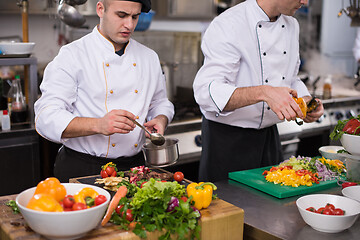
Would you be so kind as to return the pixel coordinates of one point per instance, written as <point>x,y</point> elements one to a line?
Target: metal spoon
<point>70,15</point>
<point>155,138</point>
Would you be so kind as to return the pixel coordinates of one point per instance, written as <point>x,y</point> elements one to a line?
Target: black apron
<point>72,164</point>
<point>228,148</point>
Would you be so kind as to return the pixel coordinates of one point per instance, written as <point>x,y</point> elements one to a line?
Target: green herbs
<point>132,188</point>
<point>149,205</point>
<point>13,205</point>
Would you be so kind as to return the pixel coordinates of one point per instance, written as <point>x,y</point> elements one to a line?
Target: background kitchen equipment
<point>352,11</point>
<point>69,14</point>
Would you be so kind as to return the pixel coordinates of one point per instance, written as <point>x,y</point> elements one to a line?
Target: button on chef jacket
<point>88,79</point>
<point>242,48</point>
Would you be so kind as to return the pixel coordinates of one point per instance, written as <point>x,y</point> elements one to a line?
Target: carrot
<point>120,193</point>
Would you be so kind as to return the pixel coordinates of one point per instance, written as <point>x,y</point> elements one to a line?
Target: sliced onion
<point>174,202</point>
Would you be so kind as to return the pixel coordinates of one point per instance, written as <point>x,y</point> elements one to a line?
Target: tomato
<point>327,211</point>
<point>79,206</point>
<point>311,209</point>
<point>184,198</point>
<point>99,199</point>
<point>118,209</point>
<point>338,211</point>
<point>320,210</point>
<point>143,184</point>
<point>110,171</point>
<point>68,201</point>
<point>103,174</point>
<point>330,206</point>
<point>178,176</point>
<point>129,215</point>
<point>352,127</point>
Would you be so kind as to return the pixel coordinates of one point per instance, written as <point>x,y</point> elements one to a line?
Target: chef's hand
<point>281,102</point>
<point>158,124</point>
<point>116,121</point>
<point>315,114</point>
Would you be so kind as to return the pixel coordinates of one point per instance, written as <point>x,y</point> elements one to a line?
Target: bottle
<point>17,104</point>
<point>327,88</point>
<point>5,121</point>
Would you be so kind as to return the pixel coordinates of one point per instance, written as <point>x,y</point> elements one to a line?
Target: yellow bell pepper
<point>53,187</point>
<point>201,193</point>
<point>84,193</point>
<point>302,104</point>
<point>45,203</point>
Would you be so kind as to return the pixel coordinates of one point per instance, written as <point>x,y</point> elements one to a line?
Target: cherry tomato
<point>68,201</point>
<point>99,199</point>
<point>79,206</point>
<point>327,211</point>
<point>142,184</point>
<point>330,206</point>
<point>178,176</point>
<point>118,209</point>
<point>184,198</point>
<point>103,174</point>
<point>311,209</point>
<point>338,211</point>
<point>110,171</point>
<point>129,215</point>
<point>320,210</point>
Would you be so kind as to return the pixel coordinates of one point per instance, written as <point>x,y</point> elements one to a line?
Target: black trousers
<point>227,149</point>
<point>72,164</point>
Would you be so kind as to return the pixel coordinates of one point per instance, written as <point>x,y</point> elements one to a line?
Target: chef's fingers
<point>124,113</point>
<point>293,92</point>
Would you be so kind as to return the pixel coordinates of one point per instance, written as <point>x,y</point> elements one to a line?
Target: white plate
<point>352,192</point>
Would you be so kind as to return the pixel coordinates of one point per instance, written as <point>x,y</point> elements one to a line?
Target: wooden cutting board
<point>255,179</point>
<point>221,220</point>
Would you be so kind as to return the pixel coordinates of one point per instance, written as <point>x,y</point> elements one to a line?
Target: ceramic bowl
<point>351,143</point>
<point>352,192</point>
<point>16,48</point>
<point>330,152</point>
<point>63,225</point>
<point>328,223</point>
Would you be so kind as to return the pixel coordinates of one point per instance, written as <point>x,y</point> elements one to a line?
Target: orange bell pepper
<point>302,104</point>
<point>84,193</point>
<point>53,187</point>
<point>45,203</point>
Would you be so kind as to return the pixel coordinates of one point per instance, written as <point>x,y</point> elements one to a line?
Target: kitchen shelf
<point>33,81</point>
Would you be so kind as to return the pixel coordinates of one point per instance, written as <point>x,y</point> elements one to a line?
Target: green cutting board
<point>255,179</point>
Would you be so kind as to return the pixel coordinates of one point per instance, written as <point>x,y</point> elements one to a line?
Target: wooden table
<point>221,220</point>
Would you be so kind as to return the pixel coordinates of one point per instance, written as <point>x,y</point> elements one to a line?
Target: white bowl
<point>63,225</point>
<point>351,143</point>
<point>352,192</point>
<point>328,223</point>
<point>16,47</point>
<point>330,152</point>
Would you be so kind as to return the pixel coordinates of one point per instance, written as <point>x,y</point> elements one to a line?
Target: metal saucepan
<point>75,2</point>
<point>69,15</point>
<point>161,156</point>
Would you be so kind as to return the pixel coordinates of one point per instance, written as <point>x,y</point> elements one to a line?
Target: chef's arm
<point>116,121</point>
<point>279,99</point>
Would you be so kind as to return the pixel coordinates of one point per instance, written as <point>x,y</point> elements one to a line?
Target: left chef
<point>93,89</point>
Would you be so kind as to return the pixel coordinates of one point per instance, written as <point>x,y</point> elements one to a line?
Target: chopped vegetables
<point>304,171</point>
<point>349,126</point>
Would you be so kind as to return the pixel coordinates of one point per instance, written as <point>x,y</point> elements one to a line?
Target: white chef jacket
<point>88,79</point>
<point>356,48</point>
<point>242,48</point>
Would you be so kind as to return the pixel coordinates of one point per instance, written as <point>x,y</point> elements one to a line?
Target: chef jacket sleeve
<point>356,48</point>
<point>215,81</point>
<point>160,104</point>
<point>53,110</point>
<point>298,84</point>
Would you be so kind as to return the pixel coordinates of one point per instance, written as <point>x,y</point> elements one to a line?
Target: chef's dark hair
<point>146,4</point>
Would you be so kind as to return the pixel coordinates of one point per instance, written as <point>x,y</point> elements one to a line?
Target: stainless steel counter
<point>268,217</point>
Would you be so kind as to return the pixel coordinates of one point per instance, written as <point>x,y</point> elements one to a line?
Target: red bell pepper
<point>352,127</point>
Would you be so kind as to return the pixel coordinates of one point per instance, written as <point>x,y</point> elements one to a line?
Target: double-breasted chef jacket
<point>242,48</point>
<point>88,79</point>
